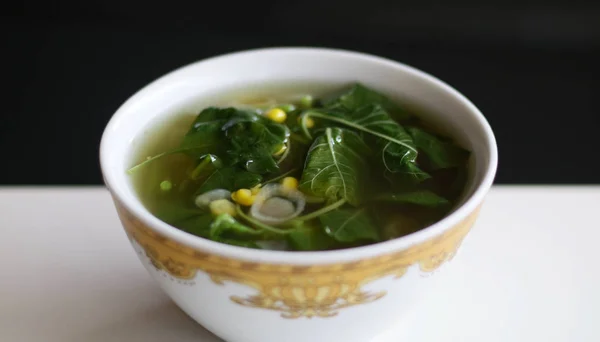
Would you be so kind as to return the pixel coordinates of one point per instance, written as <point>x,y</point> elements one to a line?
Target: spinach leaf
<point>441,154</point>
<point>292,120</point>
<point>311,238</point>
<point>253,144</point>
<point>349,225</point>
<point>243,136</point>
<point>175,210</point>
<point>359,96</point>
<point>205,135</point>
<point>208,164</point>
<point>246,180</point>
<point>219,179</point>
<point>412,172</point>
<point>397,156</point>
<point>422,197</point>
<point>178,213</point>
<point>335,167</point>
<point>225,226</point>
<point>230,178</point>
<point>198,225</point>
<point>398,151</point>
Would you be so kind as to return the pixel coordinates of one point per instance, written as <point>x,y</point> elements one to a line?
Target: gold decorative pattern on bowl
<point>296,291</point>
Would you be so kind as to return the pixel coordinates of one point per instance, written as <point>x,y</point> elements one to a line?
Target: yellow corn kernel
<point>277,115</point>
<point>310,123</point>
<point>255,190</point>
<point>222,206</point>
<point>289,183</point>
<point>280,151</point>
<point>243,197</point>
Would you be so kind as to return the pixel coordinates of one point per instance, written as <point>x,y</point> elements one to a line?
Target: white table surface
<point>529,271</point>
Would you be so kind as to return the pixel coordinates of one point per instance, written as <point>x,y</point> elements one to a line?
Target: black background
<point>531,67</point>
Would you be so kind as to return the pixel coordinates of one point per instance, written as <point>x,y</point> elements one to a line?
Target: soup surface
<point>279,168</point>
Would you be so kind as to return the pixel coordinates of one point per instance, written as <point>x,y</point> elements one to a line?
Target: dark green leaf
<point>205,135</point>
<point>208,164</point>
<point>175,211</point>
<point>292,120</point>
<point>399,154</point>
<point>281,176</point>
<point>349,225</point>
<point>246,180</point>
<point>210,114</point>
<point>399,182</point>
<point>335,167</point>
<point>294,155</point>
<point>243,136</point>
<point>442,154</point>
<point>397,149</point>
<point>230,178</point>
<point>423,197</point>
<point>220,179</point>
<point>225,226</point>
<point>228,230</point>
<point>198,225</point>
<point>253,145</point>
<point>310,236</point>
<point>412,172</point>
<point>359,96</point>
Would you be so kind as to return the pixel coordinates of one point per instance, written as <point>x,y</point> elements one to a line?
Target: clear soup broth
<point>299,168</point>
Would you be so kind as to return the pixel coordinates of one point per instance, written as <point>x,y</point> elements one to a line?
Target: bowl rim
<point>304,257</point>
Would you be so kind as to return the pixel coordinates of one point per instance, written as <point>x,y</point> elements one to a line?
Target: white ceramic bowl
<point>259,296</point>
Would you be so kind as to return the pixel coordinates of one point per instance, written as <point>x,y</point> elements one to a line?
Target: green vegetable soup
<point>300,171</point>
